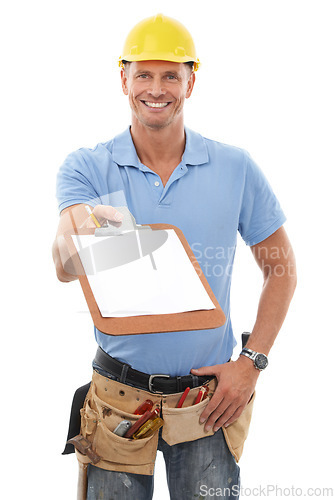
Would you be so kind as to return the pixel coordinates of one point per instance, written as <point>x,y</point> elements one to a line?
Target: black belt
<point>157,383</point>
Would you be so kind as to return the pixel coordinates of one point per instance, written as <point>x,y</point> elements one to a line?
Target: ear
<point>190,84</point>
<point>124,81</point>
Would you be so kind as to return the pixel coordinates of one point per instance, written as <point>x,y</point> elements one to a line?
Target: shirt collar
<point>124,151</point>
<point>196,152</point>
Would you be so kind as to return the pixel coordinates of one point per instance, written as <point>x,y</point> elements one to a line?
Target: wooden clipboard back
<point>155,323</point>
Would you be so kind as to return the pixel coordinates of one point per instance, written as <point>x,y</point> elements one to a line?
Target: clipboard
<point>155,323</point>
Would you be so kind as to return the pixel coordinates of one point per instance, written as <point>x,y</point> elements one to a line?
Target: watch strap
<point>249,353</point>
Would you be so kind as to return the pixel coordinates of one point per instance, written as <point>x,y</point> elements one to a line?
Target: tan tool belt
<point>108,402</point>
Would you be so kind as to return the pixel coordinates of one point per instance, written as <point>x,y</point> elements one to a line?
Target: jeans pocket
<point>236,433</point>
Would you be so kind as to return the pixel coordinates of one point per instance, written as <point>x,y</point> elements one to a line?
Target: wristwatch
<point>260,360</point>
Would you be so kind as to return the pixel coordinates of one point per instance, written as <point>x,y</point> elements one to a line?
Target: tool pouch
<point>182,424</point>
<point>108,403</point>
<point>99,417</point>
<point>236,433</point>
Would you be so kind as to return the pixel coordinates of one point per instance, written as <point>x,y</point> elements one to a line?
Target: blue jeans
<point>196,470</point>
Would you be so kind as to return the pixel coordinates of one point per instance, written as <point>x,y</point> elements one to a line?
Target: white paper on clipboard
<point>137,288</point>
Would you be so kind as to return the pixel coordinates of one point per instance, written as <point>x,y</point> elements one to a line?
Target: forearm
<point>71,219</point>
<point>277,292</point>
<point>62,264</point>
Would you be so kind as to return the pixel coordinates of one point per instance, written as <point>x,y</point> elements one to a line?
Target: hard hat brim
<point>159,57</point>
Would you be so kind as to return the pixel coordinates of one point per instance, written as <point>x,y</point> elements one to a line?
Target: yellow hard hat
<point>159,38</point>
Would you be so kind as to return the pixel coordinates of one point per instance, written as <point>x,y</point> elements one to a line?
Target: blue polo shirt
<point>215,191</point>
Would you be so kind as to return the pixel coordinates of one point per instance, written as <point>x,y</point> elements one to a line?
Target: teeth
<point>156,104</point>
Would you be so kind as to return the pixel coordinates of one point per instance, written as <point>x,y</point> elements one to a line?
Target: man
<point>167,173</point>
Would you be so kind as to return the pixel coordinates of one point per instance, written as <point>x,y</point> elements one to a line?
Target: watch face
<point>261,361</point>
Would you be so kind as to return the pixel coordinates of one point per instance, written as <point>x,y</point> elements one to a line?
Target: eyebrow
<point>173,73</point>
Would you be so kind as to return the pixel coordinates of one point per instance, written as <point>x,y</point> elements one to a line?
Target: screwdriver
<point>148,415</point>
<point>147,405</point>
<point>149,428</point>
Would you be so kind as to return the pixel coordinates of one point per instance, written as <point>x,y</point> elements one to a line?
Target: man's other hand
<point>236,384</point>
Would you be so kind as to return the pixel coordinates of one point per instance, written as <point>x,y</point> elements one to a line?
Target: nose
<point>156,89</point>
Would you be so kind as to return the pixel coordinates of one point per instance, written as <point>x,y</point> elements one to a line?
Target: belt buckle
<point>150,381</point>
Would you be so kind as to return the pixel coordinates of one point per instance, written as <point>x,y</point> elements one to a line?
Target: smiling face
<point>157,91</point>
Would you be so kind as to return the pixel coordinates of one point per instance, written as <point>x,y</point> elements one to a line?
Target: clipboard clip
<point>117,229</point>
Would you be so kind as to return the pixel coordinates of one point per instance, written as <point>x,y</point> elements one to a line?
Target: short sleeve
<point>75,182</point>
<point>260,214</point>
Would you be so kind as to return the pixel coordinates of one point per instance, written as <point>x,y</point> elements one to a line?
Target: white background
<point>266,84</point>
